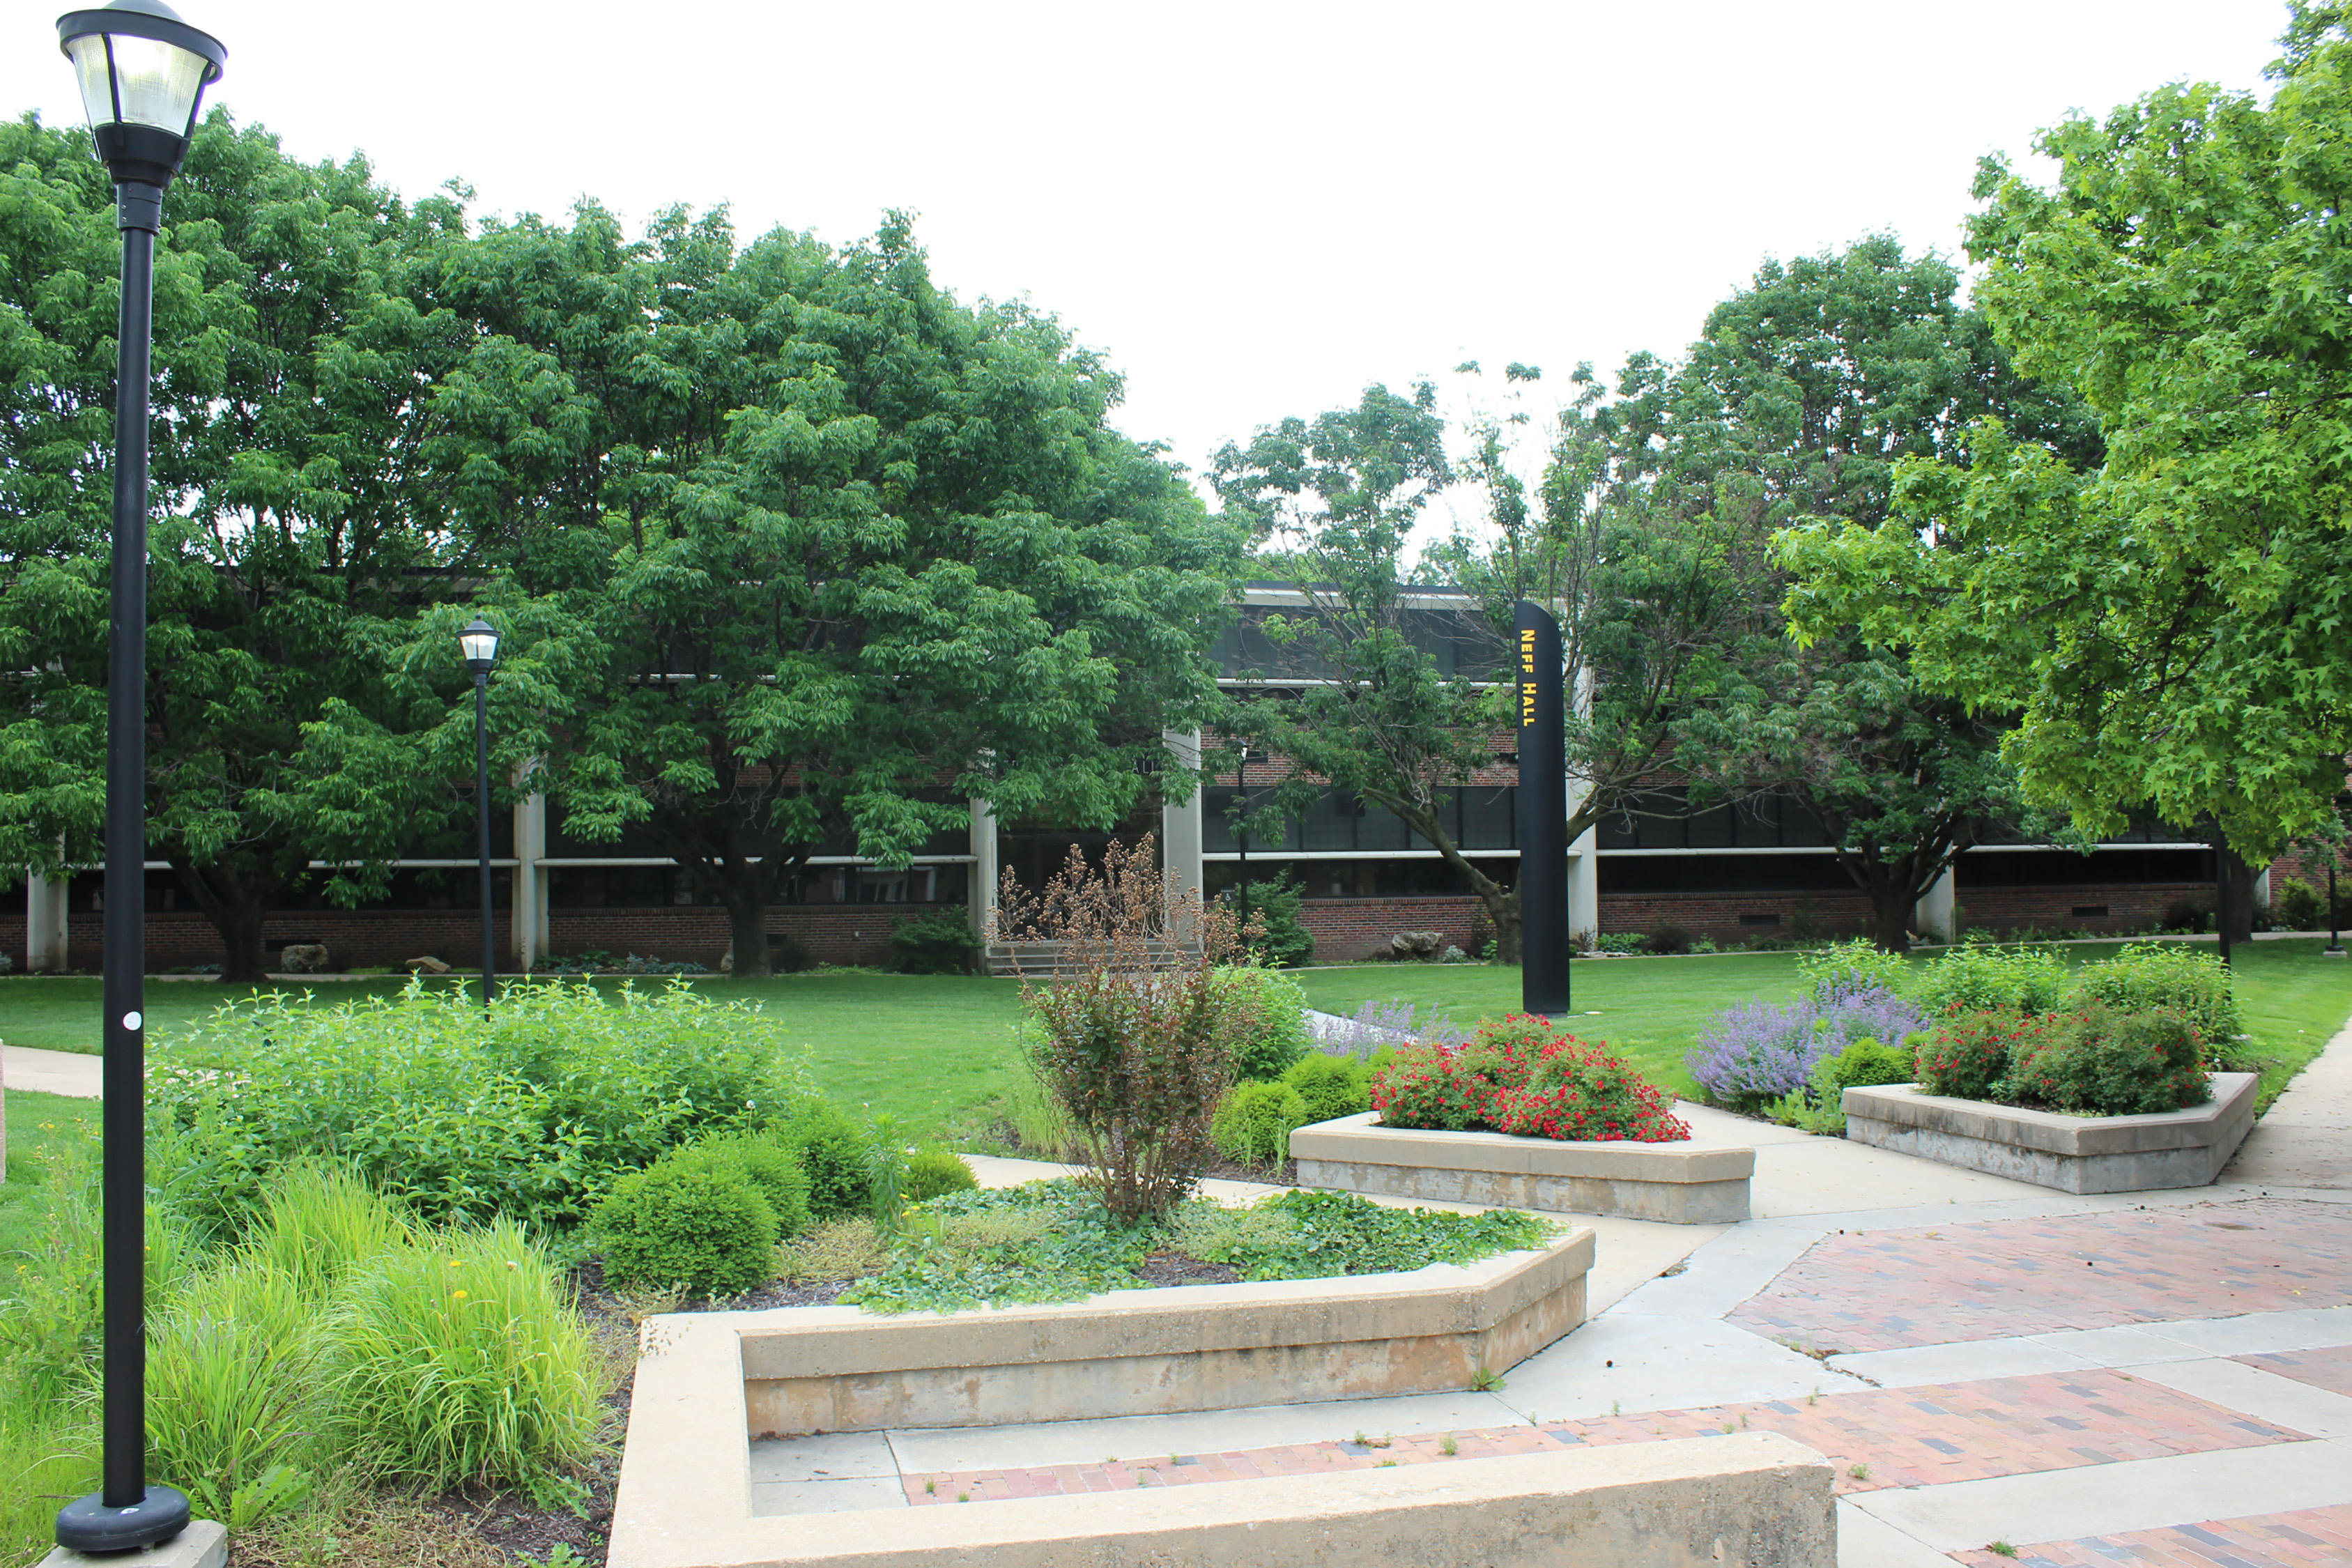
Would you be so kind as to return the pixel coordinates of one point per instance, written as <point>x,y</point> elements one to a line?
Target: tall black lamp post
<point>143,73</point>
<point>1240,836</point>
<point>480,641</point>
<point>2335,947</point>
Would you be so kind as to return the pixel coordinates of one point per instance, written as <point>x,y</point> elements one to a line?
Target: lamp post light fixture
<point>480,641</point>
<point>143,73</point>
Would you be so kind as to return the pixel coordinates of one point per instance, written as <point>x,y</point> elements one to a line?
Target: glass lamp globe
<point>142,73</point>
<point>480,641</point>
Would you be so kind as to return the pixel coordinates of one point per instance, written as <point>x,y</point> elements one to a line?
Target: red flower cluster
<point>1524,1077</point>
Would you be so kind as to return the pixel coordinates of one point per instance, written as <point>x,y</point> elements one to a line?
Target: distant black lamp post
<point>480,641</point>
<point>2335,947</point>
<point>143,73</point>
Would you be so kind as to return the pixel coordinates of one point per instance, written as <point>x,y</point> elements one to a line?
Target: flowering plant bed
<point>2072,1152</point>
<point>1523,1077</point>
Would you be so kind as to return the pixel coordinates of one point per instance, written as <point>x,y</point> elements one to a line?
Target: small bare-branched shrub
<point>1133,1034</point>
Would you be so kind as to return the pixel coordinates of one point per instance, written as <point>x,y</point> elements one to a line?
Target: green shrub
<point>832,1149</point>
<point>1330,1086</point>
<point>1819,1107</point>
<point>2298,905</point>
<point>2147,975</point>
<point>1854,965</point>
<point>933,1171</point>
<point>1416,1085</point>
<point>530,1115</point>
<point>2110,1062</point>
<point>938,943</point>
<point>699,1223</point>
<point>1255,1121</point>
<point>1285,942</point>
<point>458,1363</point>
<point>1976,979</point>
<point>1265,1019</point>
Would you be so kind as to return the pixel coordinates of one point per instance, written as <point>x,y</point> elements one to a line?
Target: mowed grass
<point>936,1050</point>
<point>940,1051</point>
<point>2291,999</point>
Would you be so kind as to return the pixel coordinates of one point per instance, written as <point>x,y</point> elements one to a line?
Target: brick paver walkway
<point>1935,1284</point>
<point>1878,1437</point>
<point>2313,1535</point>
<point>2330,1369</point>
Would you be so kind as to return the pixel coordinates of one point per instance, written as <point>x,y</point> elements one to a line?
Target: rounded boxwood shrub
<point>832,1149</point>
<point>1330,1086</point>
<point>772,1166</point>
<point>1864,1063</point>
<point>1255,1121</point>
<point>931,1172</point>
<point>699,1223</point>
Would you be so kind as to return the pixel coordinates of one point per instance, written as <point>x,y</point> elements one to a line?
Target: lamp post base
<point>86,1524</point>
<point>2331,953</point>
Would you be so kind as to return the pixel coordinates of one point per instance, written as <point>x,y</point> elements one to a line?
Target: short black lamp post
<point>2335,947</point>
<point>480,641</point>
<point>143,73</point>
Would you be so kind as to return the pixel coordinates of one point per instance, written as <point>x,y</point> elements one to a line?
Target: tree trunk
<point>1890,917</point>
<point>2241,897</point>
<point>236,904</point>
<point>747,927</point>
<point>1503,913</point>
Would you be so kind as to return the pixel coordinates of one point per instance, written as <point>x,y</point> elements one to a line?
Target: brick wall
<point>1346,930</point>
<point>1716,915</point>
<point>824,933</point>
<point>2132,906</point>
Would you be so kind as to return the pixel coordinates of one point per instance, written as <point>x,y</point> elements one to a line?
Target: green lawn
<point>938,1050</point>
<point>2292,1000</point>
<point>37,1124</point>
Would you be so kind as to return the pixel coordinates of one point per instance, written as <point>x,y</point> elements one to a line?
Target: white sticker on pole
<point>132,1021</point>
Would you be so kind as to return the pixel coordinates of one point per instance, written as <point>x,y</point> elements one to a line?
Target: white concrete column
<point>44,922</point>
<point>529,879</point>
<point>1934,912</point>
<point>1584,890</point>
<point>984,870</point>
<point>2262,889</point>
<point>1180,825</point>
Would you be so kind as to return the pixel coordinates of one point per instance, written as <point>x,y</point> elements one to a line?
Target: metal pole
<point>482,820</point>
<point>1544,987</point>
<point>138,213</point>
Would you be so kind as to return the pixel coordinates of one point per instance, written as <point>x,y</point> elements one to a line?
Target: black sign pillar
<point>1543,815</point>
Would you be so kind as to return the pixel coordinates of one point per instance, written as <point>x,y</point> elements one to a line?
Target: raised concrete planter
<point>1750,1500</point>
<point>2072,1153</point>
<point>1690,1182</point>
<point>1148,1353</point>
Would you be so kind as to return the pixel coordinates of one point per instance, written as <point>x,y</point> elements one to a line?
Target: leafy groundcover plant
<point>1054,1241</point>
<point>1522,1076</point>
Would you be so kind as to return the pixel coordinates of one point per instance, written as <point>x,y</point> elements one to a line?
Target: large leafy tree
<point>2169,624</point>
<point>1804,393</point>
<point>797,550</point>
<point>291,368</point>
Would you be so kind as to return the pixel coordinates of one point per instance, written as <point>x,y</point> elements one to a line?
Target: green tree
<point>290,538</point>
<point>2168,624</point>
<point>808,553</point>
<point>1803,396</point>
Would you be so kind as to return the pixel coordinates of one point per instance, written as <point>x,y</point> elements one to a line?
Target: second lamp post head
<point>480,641</point>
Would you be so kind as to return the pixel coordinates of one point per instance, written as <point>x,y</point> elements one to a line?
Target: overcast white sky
<point>1254,208</point>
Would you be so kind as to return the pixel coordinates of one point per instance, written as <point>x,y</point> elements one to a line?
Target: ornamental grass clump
<point>1132,1031</point>
<point>1522,1076</point>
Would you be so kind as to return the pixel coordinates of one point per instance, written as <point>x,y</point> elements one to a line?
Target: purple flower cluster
<point>1378,1024</point>
<point>1758,1051</point>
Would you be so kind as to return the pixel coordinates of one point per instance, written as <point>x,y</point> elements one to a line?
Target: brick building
<point>1761,868</point>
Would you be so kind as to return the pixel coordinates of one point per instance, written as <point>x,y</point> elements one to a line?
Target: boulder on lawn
<point>1416,943</point>
<point>426,965</point>
<point>304,958</point>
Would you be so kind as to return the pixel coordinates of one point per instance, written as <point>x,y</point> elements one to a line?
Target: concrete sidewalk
<point>2305,1140</point>
<point>50,1072</point>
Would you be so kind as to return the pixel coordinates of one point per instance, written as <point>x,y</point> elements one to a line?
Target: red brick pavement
<point>2330,1369</point>
<point>1927,1285</point>
<point>1895,1436</point>
<point>2311,1535</point>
